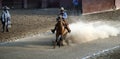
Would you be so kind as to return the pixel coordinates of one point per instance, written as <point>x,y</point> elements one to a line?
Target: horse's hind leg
<point>66,40</point>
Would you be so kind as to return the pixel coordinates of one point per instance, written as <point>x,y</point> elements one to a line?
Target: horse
<point>61,33</point>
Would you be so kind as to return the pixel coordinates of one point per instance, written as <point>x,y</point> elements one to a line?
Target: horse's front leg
<point>61,41</point>
<point>56,41</point>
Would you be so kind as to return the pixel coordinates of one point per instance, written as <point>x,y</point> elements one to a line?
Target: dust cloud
<point>81,32</point>
<point>84,32</point>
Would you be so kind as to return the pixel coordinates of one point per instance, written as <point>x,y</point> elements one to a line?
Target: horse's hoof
<point>59,46</point>
<point>54,47</point>
<point>54,44</point>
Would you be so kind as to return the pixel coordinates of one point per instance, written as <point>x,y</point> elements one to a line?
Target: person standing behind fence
<point>5,19</point>
<point>76,6</point>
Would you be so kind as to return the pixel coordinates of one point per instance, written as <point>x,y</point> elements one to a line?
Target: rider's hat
<point>6,8</point>
<point>62,8</point>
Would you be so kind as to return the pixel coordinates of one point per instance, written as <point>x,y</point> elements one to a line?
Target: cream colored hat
<point>62,8</point>
<point>5,7</point>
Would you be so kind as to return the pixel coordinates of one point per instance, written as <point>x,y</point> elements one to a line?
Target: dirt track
<point>39,47</point>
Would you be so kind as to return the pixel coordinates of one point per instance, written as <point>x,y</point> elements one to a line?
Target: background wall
<point>88,6</point>
<point>117,4</point>
<point>97,5</point>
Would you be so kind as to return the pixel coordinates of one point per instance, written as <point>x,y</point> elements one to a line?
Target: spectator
<point>5,19</point>
<point>77,7</point>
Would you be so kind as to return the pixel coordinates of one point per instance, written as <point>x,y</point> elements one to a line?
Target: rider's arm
<point>8,14</point>
<point>3,15</point>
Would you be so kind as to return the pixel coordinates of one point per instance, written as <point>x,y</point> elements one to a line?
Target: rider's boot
<point>66,26</point>
<point>53,30</point>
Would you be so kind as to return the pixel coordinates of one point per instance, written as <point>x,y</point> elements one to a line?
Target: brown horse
<point>61,33</point>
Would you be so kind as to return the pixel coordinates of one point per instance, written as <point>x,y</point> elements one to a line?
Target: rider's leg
<point>66,26</point>
<point>7,28</point>
<point>3,26</point>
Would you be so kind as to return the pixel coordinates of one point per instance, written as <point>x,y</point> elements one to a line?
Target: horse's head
<point>60,20</point>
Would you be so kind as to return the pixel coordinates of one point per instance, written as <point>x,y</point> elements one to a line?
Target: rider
<point>64,16</point>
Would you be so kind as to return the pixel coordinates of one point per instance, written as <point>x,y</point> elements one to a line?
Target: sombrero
<point>5,7</point>
<point>62,8</point>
